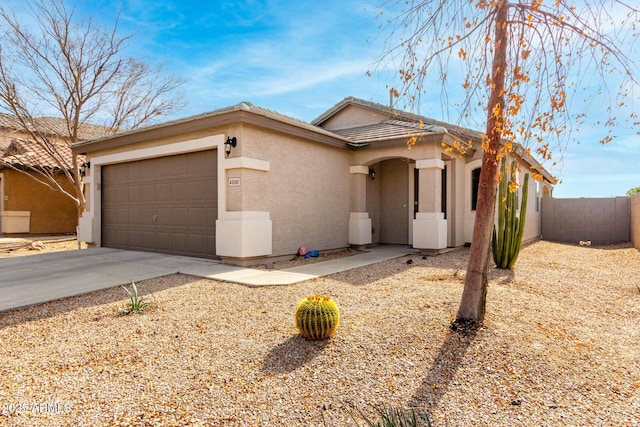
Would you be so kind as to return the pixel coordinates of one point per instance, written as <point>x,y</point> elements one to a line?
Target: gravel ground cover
<point>560,346</point>
<point>21,248</point>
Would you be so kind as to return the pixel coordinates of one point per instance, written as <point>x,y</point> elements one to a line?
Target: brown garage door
<point>168,204</point>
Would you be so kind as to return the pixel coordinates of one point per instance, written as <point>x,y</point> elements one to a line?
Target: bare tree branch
<point>68,68</point>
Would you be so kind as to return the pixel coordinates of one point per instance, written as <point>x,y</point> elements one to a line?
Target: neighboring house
<point>347,178</point>
<point>27,206</point>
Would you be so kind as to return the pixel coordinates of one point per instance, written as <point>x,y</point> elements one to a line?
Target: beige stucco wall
<point>51,212</point>
<point>353,116</point>
<point>306,191</point>
<point>635,220</point>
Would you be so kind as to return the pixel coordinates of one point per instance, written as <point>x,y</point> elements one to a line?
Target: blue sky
<point>301,57</point>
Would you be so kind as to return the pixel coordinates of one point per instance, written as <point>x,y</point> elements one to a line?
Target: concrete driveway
<point>40,278</point>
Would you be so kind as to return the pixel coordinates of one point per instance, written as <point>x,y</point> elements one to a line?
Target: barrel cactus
<point>317,317</point>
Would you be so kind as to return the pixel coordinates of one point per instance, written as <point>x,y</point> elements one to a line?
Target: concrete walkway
<point>45,277</point>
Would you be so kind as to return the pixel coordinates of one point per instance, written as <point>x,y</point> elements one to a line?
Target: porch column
<point>430,227</point>
<point>359,221</point>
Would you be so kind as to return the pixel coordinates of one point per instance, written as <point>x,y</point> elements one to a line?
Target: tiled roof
<point>395,114</point>
<point>386,130</point>
<point>8,122</point>
<point>28,153</point>
<point>219,114</point>
<point>408,119</point>
<point>52,126</point>
<point>18,151</point>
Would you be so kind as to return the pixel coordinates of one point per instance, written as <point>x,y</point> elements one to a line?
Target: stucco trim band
<point>247,163</point>
<point>244,234</point>
<point>429,164</point>
<point>198,144</point>
<point>430,231</point>
<point>359,228</point>
<point>359,169</point>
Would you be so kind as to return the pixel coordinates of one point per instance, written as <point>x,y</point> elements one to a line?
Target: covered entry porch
<point>407,198</point>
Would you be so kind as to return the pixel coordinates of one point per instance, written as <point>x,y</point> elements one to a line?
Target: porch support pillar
<point>359,221</point>
<point>429,226</point>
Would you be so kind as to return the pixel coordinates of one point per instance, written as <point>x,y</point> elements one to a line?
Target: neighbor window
<point>475,183</point>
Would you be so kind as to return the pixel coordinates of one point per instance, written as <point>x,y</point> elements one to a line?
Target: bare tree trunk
<point>474,295</point>
<point>78,186</point>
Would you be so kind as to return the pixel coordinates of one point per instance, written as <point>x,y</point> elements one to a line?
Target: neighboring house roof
<point>28,153</point>
<point>52,126</point>
<point>17,150</point>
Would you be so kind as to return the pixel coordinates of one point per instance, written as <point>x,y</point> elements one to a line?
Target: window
<point>537,196</point>
<point>475,183</point>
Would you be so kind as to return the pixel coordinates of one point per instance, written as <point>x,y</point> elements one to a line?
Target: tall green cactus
<point>317,317</point>
<point>507,239</point>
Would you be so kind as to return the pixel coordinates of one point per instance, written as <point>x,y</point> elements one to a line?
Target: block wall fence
<point>635,221</point>
<point>598,220</point>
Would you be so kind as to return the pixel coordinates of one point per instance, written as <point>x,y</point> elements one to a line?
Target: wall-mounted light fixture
<point>231,142</point>
<point>84,167</point>
<point>372,173</point>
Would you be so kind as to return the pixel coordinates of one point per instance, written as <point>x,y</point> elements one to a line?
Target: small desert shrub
<point>136,302</point>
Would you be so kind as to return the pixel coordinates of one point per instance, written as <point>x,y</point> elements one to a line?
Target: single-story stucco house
<point>27,206</point>
<point>244,183</point>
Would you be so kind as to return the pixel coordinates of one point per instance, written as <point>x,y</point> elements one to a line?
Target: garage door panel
<point>197,166</point>
<point>135,217</point>
<point>162,191</point>
<point>164,241</point>
<point>121,215</point>
<point>148,216</point>
<point>149,239</point>
<point>197,242</point>
<point>121,237</point>
<point>180,242</point>
<point>211,217</point>
<point>135,192</point>
<point>163,217</point>
<point>148,192</point>
<point>122,195</point>
<point>180,192</point>
<point>179,216</point>
<point>197,217</point>
<point>132,238</point>
<point>197,190</point>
